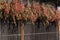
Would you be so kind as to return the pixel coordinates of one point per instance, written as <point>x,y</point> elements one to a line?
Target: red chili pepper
<point>17,6</point>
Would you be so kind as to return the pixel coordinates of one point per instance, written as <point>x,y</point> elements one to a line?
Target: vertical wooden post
<point>22,31</point>
<point>59,28</point>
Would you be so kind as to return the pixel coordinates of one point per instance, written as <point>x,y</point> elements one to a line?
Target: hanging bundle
<point>51,13</point>
<point>28,12</point>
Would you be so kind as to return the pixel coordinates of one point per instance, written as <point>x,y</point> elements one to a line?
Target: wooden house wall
<point>30,30</point>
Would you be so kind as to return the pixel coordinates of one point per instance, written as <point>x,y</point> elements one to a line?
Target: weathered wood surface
<point>28,29</point>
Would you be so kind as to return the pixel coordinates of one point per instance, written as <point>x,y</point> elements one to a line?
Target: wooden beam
<point>59,28</point>
<point>22,31</point>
